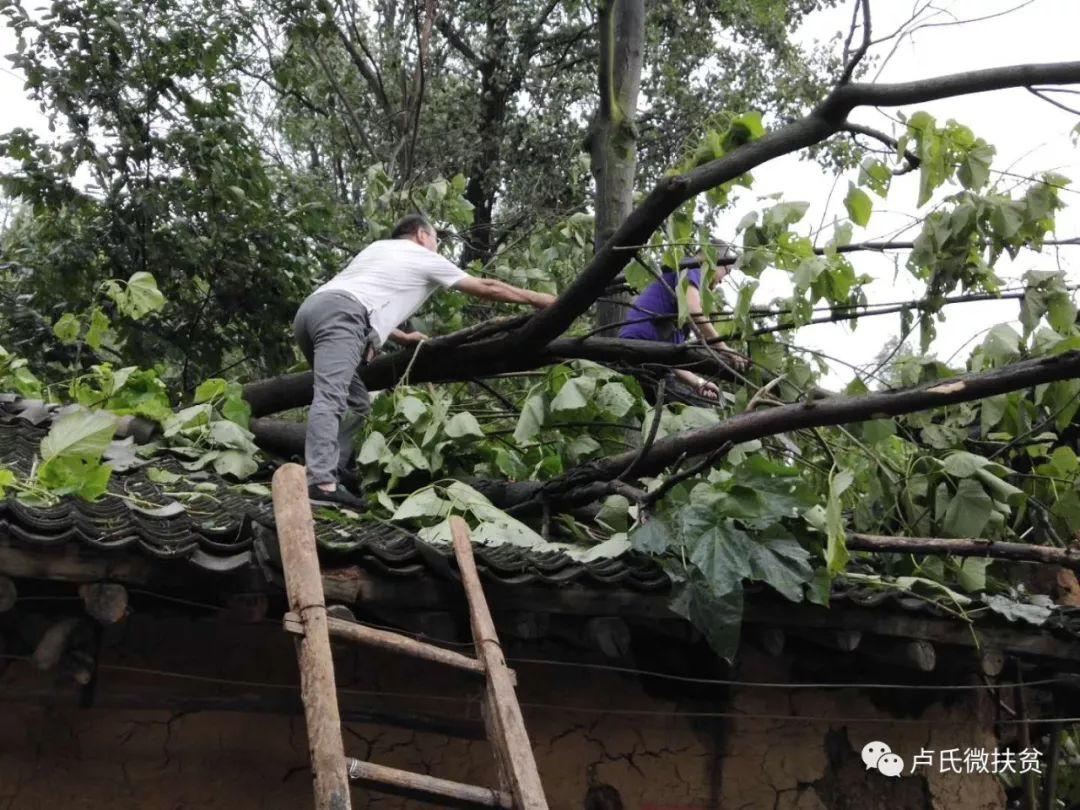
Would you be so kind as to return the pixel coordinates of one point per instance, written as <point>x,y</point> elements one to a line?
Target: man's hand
<point>407,338</point>
<point>732,358</point>
<point>542,300</point>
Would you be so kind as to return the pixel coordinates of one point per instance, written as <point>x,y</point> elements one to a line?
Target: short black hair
<point>409,225</point>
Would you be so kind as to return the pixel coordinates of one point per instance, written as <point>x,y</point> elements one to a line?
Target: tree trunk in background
<point>613,139</point>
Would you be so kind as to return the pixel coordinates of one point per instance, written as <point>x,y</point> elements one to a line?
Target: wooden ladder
<point>520,786</point>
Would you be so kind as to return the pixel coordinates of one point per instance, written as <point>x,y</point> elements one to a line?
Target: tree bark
<point>613,135</point>
<point>1018,552</point>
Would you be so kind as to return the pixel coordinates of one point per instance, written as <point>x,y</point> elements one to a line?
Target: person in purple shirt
<point>654,316</point>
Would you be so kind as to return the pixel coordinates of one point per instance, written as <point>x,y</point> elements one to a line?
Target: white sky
<point>1030,136</point>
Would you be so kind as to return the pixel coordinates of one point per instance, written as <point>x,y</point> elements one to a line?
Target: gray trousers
<point>334,333</point>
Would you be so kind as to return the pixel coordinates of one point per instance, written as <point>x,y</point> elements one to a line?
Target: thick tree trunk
<point>613,139</point>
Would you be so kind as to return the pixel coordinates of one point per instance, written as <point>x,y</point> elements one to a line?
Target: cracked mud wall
<point>797,765</point>
<point>590,754</point>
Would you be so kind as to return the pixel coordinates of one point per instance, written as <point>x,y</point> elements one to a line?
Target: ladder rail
<point>303,584</point>
<point>511,740</point>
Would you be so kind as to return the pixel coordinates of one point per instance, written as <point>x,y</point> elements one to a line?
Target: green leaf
<point>374,449</point>
<point>574,394</point>
<point>962,464</point>
<point>532,418</point>
<point>235,462</point>
<point>836,553</point>
<point>67,328</point>
<point>82,476</point>
<point>875,174</point>
<point>615,513</point>
<point>463,424</point>
<point>974,170</point>
<point>160,476</point>
<point>235,408</point>
<point>231,435</point>
<point>654,537</point>
<point>186,419</point>
<point>411,408</point>
<point>80,434</point>
<point>98,329</point>
<point>784,214</point>
<point>858,205</point>
<point>969,510</point>
<point>421,504</point>
<point>7,479</point>
<point>614,399</point>
<point>783,564</point>
<point>972,573</point>
<point>414,456</point>
<point>878,430</point>
<point>721,554</point>
<point>581,447</point>
<point>142,296</point>
<point>717,615</point>
<point>1013,610</point>
<point>1061,313</point>
<point>999,489</point>
<point>1002,344</point>
<point>210,389</point>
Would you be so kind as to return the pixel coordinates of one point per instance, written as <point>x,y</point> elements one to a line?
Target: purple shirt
<point>658,300</point>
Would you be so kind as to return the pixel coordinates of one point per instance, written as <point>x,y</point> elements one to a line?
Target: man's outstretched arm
<point>490,289</point>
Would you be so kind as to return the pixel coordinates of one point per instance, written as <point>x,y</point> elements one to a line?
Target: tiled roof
<point>224,529</point>
<point>215,529</point>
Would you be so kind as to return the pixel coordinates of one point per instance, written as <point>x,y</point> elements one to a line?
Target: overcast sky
<point>1030,136</point>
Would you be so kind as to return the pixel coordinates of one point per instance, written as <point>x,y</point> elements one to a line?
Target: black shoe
<point>350,479</point>
<point>339,496</point>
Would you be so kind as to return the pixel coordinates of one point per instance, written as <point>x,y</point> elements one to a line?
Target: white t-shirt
<point>392,278</point>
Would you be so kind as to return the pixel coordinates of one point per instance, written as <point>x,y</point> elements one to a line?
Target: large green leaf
<point>81,476</point>
<point>142,296</point>
<point>962,464</point>
<point>7,479</point>
<point>532,418</point>
<point>1012,610</point>
<point>614,399</point>
<point>574,394</point>
<point>858,205</point>
<point>969,510</point>
<point>236,463</point>
<point>782,563</point>
<point>717,615</point>
<point>836,553</point>
<point>722,555</point>
<point>210,389</point>
<point>411,408</point>
<point>463,424</point>
<point>373,449</point>
<point>82,434</point>
<point>67,328</point>
<point>423,503</point>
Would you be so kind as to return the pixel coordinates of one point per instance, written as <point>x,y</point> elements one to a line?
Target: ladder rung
<point>426,788</point>
<point>394,642</point>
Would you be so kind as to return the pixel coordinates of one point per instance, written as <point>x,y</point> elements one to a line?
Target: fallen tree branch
<point>289,391</point>
<point>976,547</point>
<point>580,484</point>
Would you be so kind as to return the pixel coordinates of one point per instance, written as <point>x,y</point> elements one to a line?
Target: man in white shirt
<point>341,324</point>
